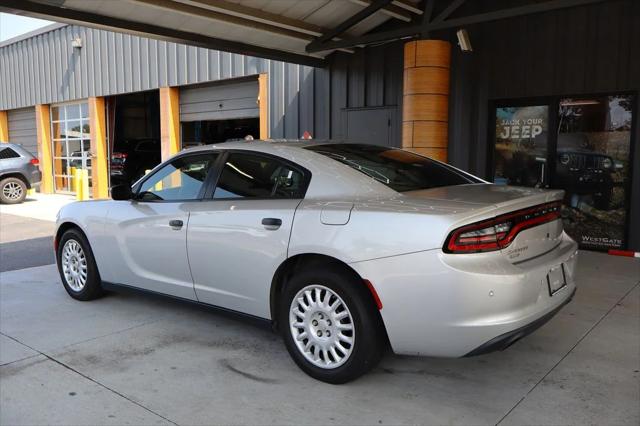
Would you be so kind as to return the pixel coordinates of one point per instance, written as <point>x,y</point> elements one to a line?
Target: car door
<point>237,239</point>
<point>149,232</point>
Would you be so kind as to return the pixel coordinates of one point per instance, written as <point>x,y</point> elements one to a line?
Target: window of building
<point>71,140</point>
<point>257,176</point>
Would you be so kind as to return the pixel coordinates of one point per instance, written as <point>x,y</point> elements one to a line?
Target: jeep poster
<point>521,145</point>
<point>589,154</point>
<point>593,164</point>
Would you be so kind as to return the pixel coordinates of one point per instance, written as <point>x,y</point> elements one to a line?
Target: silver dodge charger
<point>346,249</point>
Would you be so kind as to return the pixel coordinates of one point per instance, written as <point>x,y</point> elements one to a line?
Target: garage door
<point>22,128</point>
<point>219,101</point>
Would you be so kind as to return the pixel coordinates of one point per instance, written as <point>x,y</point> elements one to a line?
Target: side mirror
<point>121,192</point>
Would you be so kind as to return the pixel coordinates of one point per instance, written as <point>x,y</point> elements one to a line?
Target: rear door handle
<point>271,223</point>
<point>176,224</point>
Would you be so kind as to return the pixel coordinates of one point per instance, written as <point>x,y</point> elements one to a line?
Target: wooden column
<point>99,149</point>
<point>43,128</point>
<point>4,127</point>
<point>169,121</point>
<point>425,111</point>
<point>263,103</point>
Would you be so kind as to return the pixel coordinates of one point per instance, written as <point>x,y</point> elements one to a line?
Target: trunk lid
<point>528,243</point>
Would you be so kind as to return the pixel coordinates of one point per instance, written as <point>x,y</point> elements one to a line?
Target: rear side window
<point>6,153</point>
<point>258,176</point>
<point>399,170</point>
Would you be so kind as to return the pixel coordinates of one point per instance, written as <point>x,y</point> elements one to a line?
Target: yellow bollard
<point>85,184</point>
<point>77,184</point>
<point>81,184</point>
<point>72,172</point>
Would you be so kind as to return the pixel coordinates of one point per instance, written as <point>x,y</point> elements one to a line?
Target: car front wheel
<point>77,267</point>
<point>329,324</point>
<point>12,190</point>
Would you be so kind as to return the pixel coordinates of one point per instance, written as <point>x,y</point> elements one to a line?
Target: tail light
<point>499,232</point>
<point>34,161</point>
<point>119,155</point>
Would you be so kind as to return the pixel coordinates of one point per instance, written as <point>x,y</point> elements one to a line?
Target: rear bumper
<point>35,178</point>
<point>507,339</point>
<point>435,304</point>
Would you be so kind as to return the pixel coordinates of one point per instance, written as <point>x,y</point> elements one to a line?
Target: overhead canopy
<point>293,31</point>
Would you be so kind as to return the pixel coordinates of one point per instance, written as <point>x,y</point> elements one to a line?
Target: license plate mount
<point>556,279</point>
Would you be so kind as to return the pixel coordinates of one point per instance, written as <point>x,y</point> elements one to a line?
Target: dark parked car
<point>18,172</point>
<point>132,158</point>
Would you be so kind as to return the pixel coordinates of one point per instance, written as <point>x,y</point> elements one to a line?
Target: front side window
<point>258,176</point>
<point>399,170</point>
<point>180,180</point>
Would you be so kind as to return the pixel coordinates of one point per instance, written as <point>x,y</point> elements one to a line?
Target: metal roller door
<point>22,128</point>
<point>220,101</point>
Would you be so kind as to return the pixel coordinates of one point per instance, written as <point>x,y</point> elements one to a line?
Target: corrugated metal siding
<point>219,101</point>
<point>22,128</point>
<point>46,69</point>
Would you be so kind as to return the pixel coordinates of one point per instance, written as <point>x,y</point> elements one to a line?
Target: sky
<point>14,25</point>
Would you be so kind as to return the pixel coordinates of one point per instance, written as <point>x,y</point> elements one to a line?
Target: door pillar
<point>43,129</point>
<point>169,121</point>
<point>99,149</point>
<point>425,109</point>
<point>4,127</point>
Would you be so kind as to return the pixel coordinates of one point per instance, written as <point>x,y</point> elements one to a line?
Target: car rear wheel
<point>77,266</point>
<point>330,325</point>
<point>12,190</point>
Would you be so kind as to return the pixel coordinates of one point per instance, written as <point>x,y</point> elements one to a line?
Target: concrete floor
<point>131,359</point>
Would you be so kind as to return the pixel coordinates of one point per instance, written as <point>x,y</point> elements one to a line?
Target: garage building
<point>545,93</point>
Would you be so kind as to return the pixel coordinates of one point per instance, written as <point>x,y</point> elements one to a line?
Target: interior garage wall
<point>585,50</point>
<point>22,128</point>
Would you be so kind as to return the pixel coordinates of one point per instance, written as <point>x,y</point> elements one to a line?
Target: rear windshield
<point>399,170</point>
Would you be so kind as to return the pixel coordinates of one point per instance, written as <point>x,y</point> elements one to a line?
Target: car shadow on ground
<point>26,253</point>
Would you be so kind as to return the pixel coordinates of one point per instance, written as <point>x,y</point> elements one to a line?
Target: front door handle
<point>176,224</point>
<point>271,223</point>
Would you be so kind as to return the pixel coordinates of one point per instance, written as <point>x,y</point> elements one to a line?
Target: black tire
<point>369,336</point>
<point>92,288</point>
<point>12,190</point>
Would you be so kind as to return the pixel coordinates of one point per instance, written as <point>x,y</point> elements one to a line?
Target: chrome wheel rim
<point>12,191</point>
<point>322,326</point>
<point>74,265</point>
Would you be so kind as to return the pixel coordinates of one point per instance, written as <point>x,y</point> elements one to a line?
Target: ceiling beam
<point>230,11</point>
<point>390,10</point>
<point>186,9</point>
<point>426,17</point>
<point>349,22</point>
<point>448,10</point>
<point>407,6</point>
<point>257,15</point>
<point>73,16</point>
<point>413,30</point>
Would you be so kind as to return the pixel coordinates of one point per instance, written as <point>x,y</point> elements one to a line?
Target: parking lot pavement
<point>38,206</point>
<point>25,242</point>
<point>133,359</point>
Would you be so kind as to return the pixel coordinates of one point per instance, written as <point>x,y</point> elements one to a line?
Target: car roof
<point>261,144</point>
